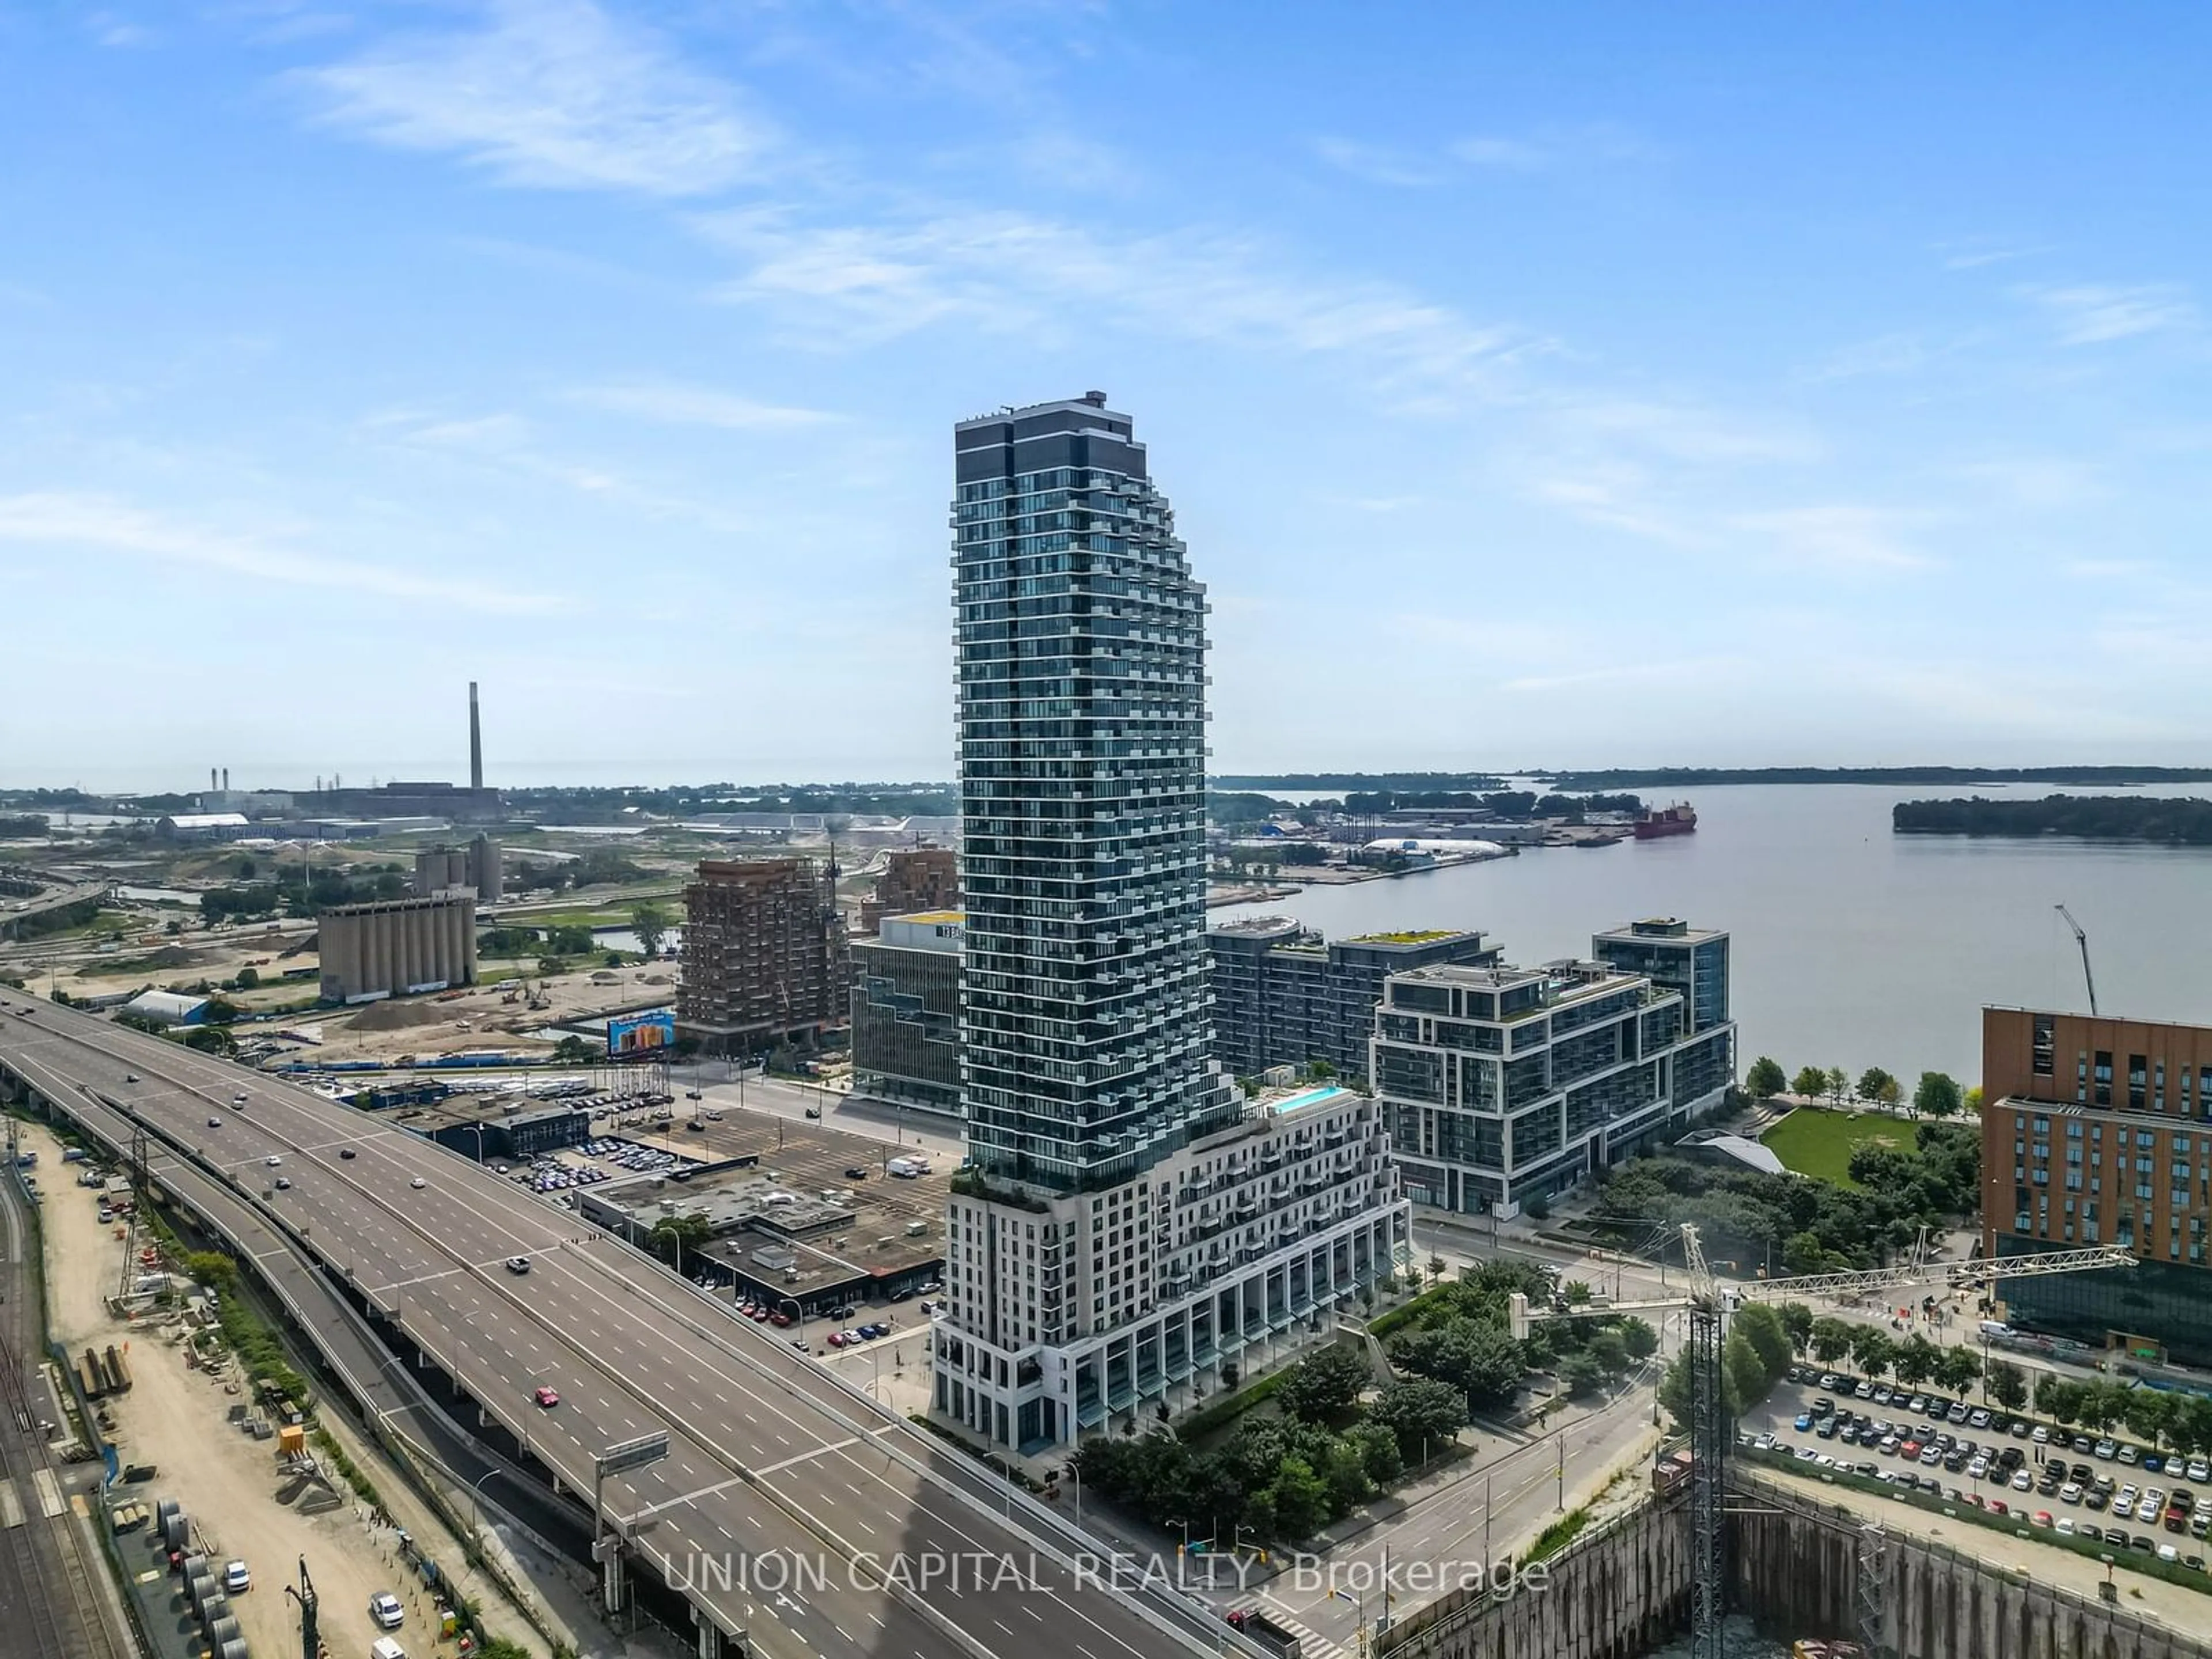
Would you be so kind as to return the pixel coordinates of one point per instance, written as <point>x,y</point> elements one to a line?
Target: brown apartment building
<point>2099,1131</point>
<point>914,880</point>
<point>764,958</point>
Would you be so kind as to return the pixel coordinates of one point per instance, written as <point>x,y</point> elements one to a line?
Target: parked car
<point>385,1609</point>
<point>236,1578</point>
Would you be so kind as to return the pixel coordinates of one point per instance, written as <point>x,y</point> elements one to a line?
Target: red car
<point>779,1319</point>
<point>2043,1517</point>
<point>547,1397</point>
<point>1910,1450</point>
<point>759,1315</point>
<point>837,1340</point>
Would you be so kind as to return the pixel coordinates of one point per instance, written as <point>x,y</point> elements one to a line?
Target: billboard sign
<point>633,1036</point>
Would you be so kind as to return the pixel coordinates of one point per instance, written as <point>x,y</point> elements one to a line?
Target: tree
<point>1804,1253</point>
<point>1765,1078</point>
<point>1378,1451</point>
<point>2057,1399</point>
<point>248,978</point>
<point>210,1039</point>
<point>1744,1372</point>
<point>573,1050</point>
<point>1581,1374</point>
<point>1937,1096</point>
<point>1325,1386</point>
<point>1421,1411</point>
<point>2148,1414</point>
<point>1974,1098</point>
<point>1916,1361</point>
<point>1301,1500</point>
<point>1760,1324</point>
<point>672,1234</point>
<point>1609,1351</point>
<point>1832,1338</point>
<point>1578,1293</point>
<point>1797,1320</point>
<point>649,922</point>
<point>1956,1369</point>
<point>1872,1351</point>
<point>1810,1083</point>
<point>1839,1083</point>
<point>1641,1341</point>
<point>2007,1384</point>
<point>1873,1081</point>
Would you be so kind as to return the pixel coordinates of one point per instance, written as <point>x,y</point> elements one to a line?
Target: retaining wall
<point>1623,1590</point>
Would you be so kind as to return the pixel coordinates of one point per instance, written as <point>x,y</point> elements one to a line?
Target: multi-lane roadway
<point>794,1509</point>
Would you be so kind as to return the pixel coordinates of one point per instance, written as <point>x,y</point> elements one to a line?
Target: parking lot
<point>2125,1497</point>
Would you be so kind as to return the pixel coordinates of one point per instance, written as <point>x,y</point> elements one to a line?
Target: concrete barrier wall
<point>1797,1572</point>
<point>1620,1592</point>
<point>1615,1595</point>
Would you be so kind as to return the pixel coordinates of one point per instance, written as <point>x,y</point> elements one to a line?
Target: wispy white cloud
<point>57,521</point>
<point>1971,254</point>
<point>2036,481</point>
<point>112,29</point>
<point>1887,354</point>
<point>1021,273</point>
<point>1628,674</point>
<point>1597,142</point>
<point>2096,314</point>
<point>1838,535</point>
<point>1375,164</point>
<point>554,93</point>
<point>677,404</point>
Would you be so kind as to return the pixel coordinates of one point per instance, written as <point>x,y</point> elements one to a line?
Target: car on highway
<point>547,1397</point>
<point>283,1183</point>
<point>385,1609</point>
<point>517,1264</point>
<point>814,1112</point>
<point>418,1184</point>
<point>215,1123</point>
<point>131,1077</point>
<point>272,1160</point>
<point>239,1099</point>
<point>345,1151</point>
<point>237,1576</point>
<point>858,1172</point>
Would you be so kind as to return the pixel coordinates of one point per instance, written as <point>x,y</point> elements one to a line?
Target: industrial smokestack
<point>476,742</point>
<point>226,780</point>
<point>211,783</point>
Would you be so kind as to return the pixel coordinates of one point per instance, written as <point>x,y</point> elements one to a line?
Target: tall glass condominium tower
<point>1129,1226</point>
<point>1085,1024</point>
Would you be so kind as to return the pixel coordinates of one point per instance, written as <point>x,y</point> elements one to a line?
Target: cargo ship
<point>1680,819</point>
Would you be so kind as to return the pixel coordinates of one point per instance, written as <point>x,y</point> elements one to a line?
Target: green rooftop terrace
<point>1419,936</point>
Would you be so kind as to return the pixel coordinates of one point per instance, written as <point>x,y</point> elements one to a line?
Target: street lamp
<point>476,1491</point>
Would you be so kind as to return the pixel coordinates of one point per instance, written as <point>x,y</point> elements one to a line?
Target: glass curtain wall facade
<point>1085,1022</point>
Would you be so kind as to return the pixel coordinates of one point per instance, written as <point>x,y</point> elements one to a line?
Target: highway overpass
<point>790,1509</point>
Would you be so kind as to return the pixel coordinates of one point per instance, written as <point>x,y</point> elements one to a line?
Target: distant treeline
<point>19,825</point>
<point>1505,803</point>
<point>1363,781</point>
<point>1689,777</point>
<point>2184,823</point>
<point>588,804</point>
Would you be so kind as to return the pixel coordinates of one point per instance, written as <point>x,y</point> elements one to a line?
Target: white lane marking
<point>818,1451</point>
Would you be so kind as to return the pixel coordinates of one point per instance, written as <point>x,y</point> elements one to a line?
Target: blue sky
<point>1565,385</point>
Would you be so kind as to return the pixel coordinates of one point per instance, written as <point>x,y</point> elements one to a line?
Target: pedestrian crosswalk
<point>1312,1645</point>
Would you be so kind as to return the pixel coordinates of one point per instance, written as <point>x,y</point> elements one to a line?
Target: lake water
<point>1852,947</point>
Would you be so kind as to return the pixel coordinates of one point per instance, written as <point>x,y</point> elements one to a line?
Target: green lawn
<point>1819,1143</point>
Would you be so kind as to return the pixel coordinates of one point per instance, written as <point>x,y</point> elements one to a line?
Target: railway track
<point>51,1603</point>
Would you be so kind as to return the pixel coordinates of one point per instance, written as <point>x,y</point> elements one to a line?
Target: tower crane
<point>1711,1304</point>
<point>2082,939</point>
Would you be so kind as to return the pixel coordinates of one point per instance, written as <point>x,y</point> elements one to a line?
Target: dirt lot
<point>175,1416</point>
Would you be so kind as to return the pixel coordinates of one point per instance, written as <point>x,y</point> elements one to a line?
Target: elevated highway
<point>789,1509</point>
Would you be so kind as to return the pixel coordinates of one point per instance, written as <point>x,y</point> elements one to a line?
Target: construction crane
<point>2082,939</point>
<point>1712,1434</point>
